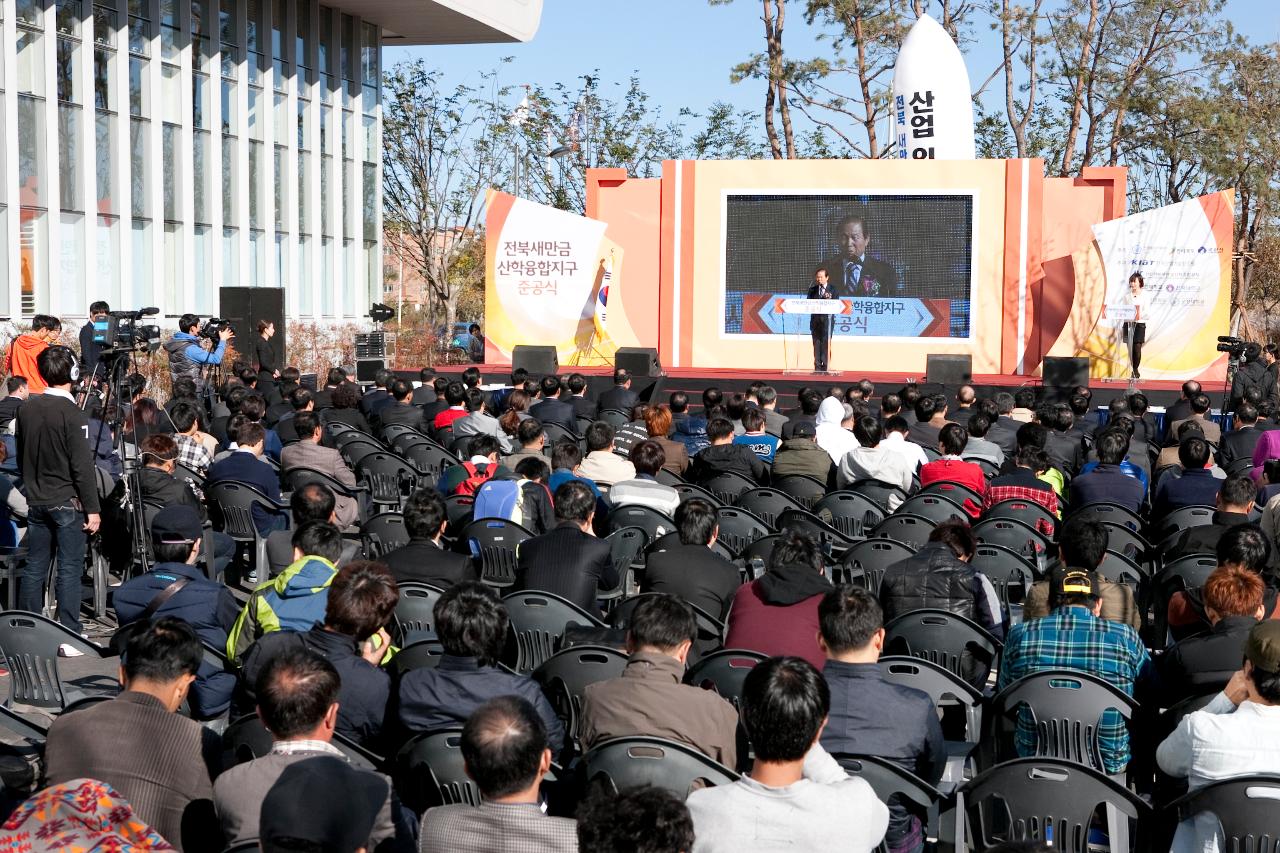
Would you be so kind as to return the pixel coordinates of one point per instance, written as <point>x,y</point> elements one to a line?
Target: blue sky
<point>688,66</point>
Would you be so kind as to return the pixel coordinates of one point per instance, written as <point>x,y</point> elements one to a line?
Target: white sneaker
<point>66,650</point>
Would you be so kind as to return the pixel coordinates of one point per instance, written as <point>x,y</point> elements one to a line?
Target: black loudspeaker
<point>367,368</point>
<point>1065,373</point>
<point>539,361</point>
<point>950,370</point>
<point>244,307</point>
<point>638,361</point>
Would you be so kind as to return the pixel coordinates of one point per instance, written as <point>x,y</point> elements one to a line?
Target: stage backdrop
<point>1184,254</point>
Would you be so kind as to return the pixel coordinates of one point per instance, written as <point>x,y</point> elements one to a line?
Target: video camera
<point>121,332</point>
<point>1232,346</point>
<point>213,327</point>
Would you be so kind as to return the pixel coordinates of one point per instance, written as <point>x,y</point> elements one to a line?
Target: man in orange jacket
<point>20,360</point>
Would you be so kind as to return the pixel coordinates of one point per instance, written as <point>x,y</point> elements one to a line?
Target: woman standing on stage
<point>1135,330</point>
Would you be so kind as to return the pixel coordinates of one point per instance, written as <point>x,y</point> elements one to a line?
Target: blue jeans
<point>54,528</point>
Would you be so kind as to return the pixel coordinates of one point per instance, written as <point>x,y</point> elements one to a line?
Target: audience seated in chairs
<point>472,625</point>
<point>978,447</point>
<point>308,452</point>
<point>645,490</point>
<point>649,698</point>
<point>754,437</point>
<point>777,613</point>
<point>1195,486</point>
<point>872,716</point>
<point>483,463</point>
<point>531,437</point>
<point>1108,482</point>
<point>1025,483</point>
<point>1234,504</point>
<point>874,459</point>
<point>692,571</point>
<point>724,456</point>
<point>795,794</point>
<point>657,421</point>
<point>402,410</point>
<point>309,502</point>
<point>1243,546</point>
<point>479,422</point>
<point>601,464</point>
<point>952,469</point>
<point>425,559</point>
<point>931,417</point>
<point>800,455</point>
<point>297,694</point>
<point>569,561</point>
<point>833,424</point>
<point>1083,545</point>
<point>685,428</point>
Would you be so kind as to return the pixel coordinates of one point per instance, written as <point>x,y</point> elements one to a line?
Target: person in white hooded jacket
<point>833,421</point>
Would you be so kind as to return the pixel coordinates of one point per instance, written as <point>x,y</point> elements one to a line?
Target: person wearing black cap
<point>321,805</point>
<point>177,587</point>
<point>1073,636</point>
<point>800,454</point>
<point>1236,734</point>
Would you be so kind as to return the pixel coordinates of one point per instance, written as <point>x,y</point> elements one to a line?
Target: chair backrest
<point>233,506</point>
<point>565,675</point>
<point>430,459</point>
<point>429,770</point>
<point>911,530</point>
<point>539,620</point>
<point>458,508</point>
<point>1118,568</point>
<point>423,654</point>
<point>493,542</point>
<point>866,562</point>
<point>384,462</point>
<point>936,508</point>
<point>1184,517</point>
<point>614,417</point>
<point>728,486</point>
<point>831,540</point>
<point>888,779</point>
<point>957,492</point>
<point>805,489</point>
<point>691,490</point>
<point>295,478</point>
<point>245,739</point>
<point>414,619</point>
<point>1065,707</point>
<point>1009,572</point>
<point>878,491</point>
<point>849,512</point>
<point>946,639</point>
<point>29,644</point>
<point>1247,808</point>
<point>356,450</point>
<point>653,522</point>
<point>556,433</point>
<point>944,687</point>
<point>1030,513</point>
<point>632,761</point>
<point>1125,540</point>
<point>1033,798</point>
<point>724,672</point>
<point>1017,536</point>
<point>1106,511</point>
<point>739,528</point>
<point>387,530</point>
<point>626,549</point>
<point>767,504</point>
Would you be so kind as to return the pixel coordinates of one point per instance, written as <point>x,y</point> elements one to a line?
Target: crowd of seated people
<point>1055,536</point>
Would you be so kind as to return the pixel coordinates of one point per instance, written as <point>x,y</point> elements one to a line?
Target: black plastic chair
<point>539,620</point>
<point>293,479</point>
<point>1015,535</point>
<point>889,780</point>
<point>392,432</point>
<point>724,672</point>
<point>245,739</point>
<point>944,687</point>
<point>936,508</point>
<point>1009,572</point>
<point>878,491</point>
<point>957,493</point>
<point>805,489</point>
<point>1182,575</point>
<point>849,512</point>
<point>231,508</point>
<point>493,542</point>
<point>629,762</point>
<point>1118,568</point>
<point>1125,540</point>
<point>424,654</point>
<point>1106,511</point>
<point>614,417</point>
<point>626,547</point>
<point>1029,513</point>
<point>739,528</point>
<point>355,450</point>
<point>556,433</point>
<point>1065,706</point>
<point>565,675</point>
<point>728,486</point>
<point>866,562</point>
<point>956,644</point>
<point>913,530</point>
<point>651,521</point>
<point>710,629</point>
<point>767,504</point>
<point>1031,798</point>
<point>1184,517</point>
<point>429,459</point>
<point>414,615</point>
<point>1247,808</point>
<point>429,771</point>
<point>458,508</point>
<point>384,532</point>
<point>831,541</point>
<point>667,477</point>
<point>690,490</point>
<point>386,476</point>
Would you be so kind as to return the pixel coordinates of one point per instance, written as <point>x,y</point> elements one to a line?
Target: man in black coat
<point>1240,442</point>
<point>551,409</point>
<point>568,561</point>
<point>853,273</point>
<point>1253,374</point>
<point>692,571</point>
<point>583,406</point>
<point>1181,409</point>
<point>821,325</point>
<point>424,559</point>
<point>620,397</point>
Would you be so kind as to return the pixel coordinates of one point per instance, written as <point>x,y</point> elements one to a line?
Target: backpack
<point>476,477</point>
<point>503,499</point>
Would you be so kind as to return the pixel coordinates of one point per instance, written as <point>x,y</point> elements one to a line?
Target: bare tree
<point>771,67</point>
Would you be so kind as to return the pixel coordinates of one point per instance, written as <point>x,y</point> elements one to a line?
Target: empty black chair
<point>29,643</point>
<point>767,504</point>
<point>493,542</point>
<point>1065,707</point>
<point>953,642</point>
<point>430,460</point>
<point>386,475</point>
<point>384,532</point>
<point>913,530</point>
<point>414,618</point>
<point>880,492</point>
<point>936,508</point>
<point>231,508</point>
<point>539,620</point>
<point>429,771</point>
<point>1184,517</point>
<point>806,490</point>
<point>356,449</point>
<point>1010,573</point>
<point>1124,540</point>
<point>1032,798</point>
<point>1247,809</point>
<point>739,528</point>
<point>651,521</point>
<point>614,417</point>
<point>724,672</point>
<point>565,675</point>
<point>423,654</point>
<point>866,561</point>
<point>625,548</point>
<point>392,432</point>
<point>728,486</point>
<point>667,477</point>
<point>629,762</point>
<point>849,512</point>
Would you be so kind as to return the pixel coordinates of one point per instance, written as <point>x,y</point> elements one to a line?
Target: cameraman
<point>187,358</point>
<point>89,350</point>
<point>1252,374</point>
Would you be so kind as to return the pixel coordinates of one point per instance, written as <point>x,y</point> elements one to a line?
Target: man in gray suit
<point>479,422</point>
<point>297,695</point>
<point>505,749</point>
<point>308,452</point>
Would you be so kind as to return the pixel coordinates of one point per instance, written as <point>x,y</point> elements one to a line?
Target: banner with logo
<point>548,274</point>
<point>1183,253</point>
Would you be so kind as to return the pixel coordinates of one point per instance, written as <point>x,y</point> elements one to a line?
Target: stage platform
<point>787,383</point>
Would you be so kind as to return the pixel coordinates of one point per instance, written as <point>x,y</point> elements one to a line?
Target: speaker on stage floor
<point>1064,374</point>
<point>367,368</point>
<point>950,370</point>
<point>638,361</point>
<point>244,307</point>
<point>539,361</point>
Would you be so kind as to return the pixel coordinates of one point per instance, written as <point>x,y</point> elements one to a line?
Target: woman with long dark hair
<point>1135,331</point>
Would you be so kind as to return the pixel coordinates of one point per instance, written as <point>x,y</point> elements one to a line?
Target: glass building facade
<point>154,151</point>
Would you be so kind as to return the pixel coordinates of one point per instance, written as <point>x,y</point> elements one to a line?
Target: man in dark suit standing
<point>853,273</point>
<point>821,325</point>
<point>551,409</point>
<point>620,396</point>
<point>424,559</point>
<point>569,561</point>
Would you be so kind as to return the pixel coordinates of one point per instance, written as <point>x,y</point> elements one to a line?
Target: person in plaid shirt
<point>192,455</point>
<point>1073,636</point>
<point>1024,484</point>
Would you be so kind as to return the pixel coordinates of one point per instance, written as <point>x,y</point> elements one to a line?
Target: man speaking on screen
<point>854,273</point>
